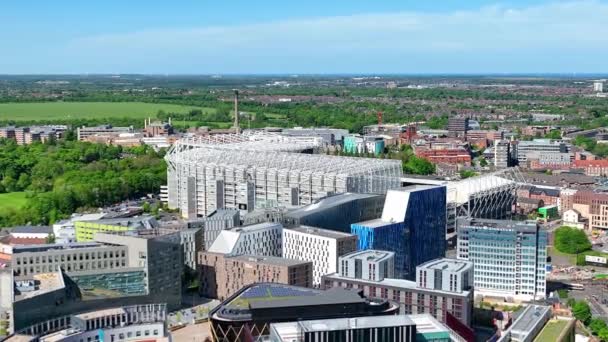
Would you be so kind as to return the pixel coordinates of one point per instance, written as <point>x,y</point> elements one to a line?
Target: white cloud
<point>553,35</point>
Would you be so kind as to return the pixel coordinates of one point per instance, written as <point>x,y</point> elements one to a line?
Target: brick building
<point>222,275</point>
<point>596,168</point>
<point>457,155</point>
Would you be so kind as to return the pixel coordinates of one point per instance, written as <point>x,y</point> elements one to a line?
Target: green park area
<point>88,110</point>
<point>552,331</point>
<point>12,200</point>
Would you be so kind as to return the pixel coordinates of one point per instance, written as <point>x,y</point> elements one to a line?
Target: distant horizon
<point>297,75</point>
<point>316,37</point>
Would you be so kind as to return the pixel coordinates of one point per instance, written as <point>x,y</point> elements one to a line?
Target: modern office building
<point>357,144</point>
<point>256,170</point>
<point>250,312</point>
<point>598,86</point>
<point>322,247</point>
<point>443,300</point>
<point>84,133</point>
<point>509,257</point>
<point>502,154</point>
<point>368,264</point>
<point>330,136</point>
<point>65,230</point>
<point>592,206</point>
<point>262,239</point>
<point>128,323</point>
<point>85,230</point>
<point>222,275</point>
<point>336,212</point>
<point>524,148</point>
<point>402,328</point>
<point>412,225</point>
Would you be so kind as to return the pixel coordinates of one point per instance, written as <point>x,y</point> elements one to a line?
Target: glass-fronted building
<point>413,226</point>
<point>509,257</point>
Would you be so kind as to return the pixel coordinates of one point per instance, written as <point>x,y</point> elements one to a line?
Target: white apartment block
<point>368,264</point>
<point>320,246</point>
<point>446,275</point>
<point>262,239</point>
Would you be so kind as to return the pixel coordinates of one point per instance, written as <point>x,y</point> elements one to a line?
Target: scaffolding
<point>264,170</point>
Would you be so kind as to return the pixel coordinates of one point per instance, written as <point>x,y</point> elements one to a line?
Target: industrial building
<point>256,170</point>
<point>524,148</point>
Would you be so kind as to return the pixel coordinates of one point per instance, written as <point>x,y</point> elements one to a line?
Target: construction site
<point>260,170</point>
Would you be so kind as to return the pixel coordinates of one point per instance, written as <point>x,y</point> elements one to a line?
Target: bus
<point>578,287</point>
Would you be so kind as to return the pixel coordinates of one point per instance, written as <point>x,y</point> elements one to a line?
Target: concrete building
<point>549,160</point>
<point>358,144</point>
<point>84,133</point>
<point>214,224</point>
<point>509,257</point>
<point>592,206</point>
<point>192,243</point>
<point>330,136</point>
<point>262,239</point>
<point>546,146</point>
<point>598,86</point>
<point>368,265</point>
<point>528,324</point>
<point>222,275</point>
<point>249,171</point>
<point>502,154</point>
<point>412,225</point>
<point>572,218</point>
<point>85,230</point>
<point>446,275</point>
<point>65,230</point>
<point>414,299</point>
<point>128,323</point>
<point>322,247</point>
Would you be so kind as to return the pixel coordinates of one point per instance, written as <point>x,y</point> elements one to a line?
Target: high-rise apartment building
<point>509,257</point>
<point>502,154</point>
<point>322,247</point>
<point>413,226</point>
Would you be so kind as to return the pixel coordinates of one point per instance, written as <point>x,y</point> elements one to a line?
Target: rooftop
<point>445,264</point>
<point>375,223</point>
<point>269,260</point>
<point>553,329</point>
<point>293,328</point>
<point>321,232</point>
<point>100,313</point>
<point>529,318</point>
<point>135,222</point>
<point>429,327</point>
<point>369,255</point>
<point>44,282</point>
<point>328,202</point>
<point>524,226</point>
<point>31,230</point>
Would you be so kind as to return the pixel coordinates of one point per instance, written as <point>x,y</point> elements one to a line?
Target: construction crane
<point>379,118</point>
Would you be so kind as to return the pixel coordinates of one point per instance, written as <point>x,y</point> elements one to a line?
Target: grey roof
<point>369,255</point>
<point>356,323</point>
<point>524,226</point>
<point>452,265</point>
<point>334,295</point>
<point>270,260</point>
<point>321,232</point>
<point>546,191</point>
<point>328,202</point>
<point>529,318</point>
<point>31,229</point>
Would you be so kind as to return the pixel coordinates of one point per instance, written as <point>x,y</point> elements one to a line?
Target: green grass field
<point>89,110</point>
<point>13,200</point>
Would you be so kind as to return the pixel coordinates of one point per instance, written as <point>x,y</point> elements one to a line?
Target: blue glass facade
<point>416,238</point>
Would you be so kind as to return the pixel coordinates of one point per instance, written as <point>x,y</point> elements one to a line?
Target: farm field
<point>13,200</point>
<point>87,110</point>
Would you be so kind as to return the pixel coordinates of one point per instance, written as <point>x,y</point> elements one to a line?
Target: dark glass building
<point>413,226</point>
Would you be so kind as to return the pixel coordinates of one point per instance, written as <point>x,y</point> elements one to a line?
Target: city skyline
<point>315,38</point>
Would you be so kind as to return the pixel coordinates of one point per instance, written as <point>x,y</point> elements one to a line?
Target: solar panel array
<point>260,291</point>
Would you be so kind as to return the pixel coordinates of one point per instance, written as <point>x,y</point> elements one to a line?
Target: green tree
<point>467,174</point>
<point>596,325</point>
<point>571,240</point>
<point>582,312</point>
<point>418,166</point>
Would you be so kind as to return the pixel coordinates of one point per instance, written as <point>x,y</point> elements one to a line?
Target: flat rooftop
<point>553,329</point>
<point>369,255</point>
<point>254,227</point>
<point>289,330</point>
<point>330,201</point>
<point>375,223</point>
<point>499,224</point>
<point>321,232</point>
<point>100,313</point>
<point>49,247</point>
<point>44,282</point>
<point>445,264</point>
<point>429,327</point>
<point>529,318</point>
<point>269,260</point>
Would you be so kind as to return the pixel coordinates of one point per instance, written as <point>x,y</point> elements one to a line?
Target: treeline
<point>66,176</point>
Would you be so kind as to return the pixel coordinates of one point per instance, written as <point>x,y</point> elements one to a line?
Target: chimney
<point>145,123</point>
<point>236,111</point>
<point>169,121</point>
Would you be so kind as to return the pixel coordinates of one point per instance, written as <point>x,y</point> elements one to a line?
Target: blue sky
<point>312,36</point>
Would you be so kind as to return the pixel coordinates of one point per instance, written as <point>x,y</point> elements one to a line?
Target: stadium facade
<point>257,170</point>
